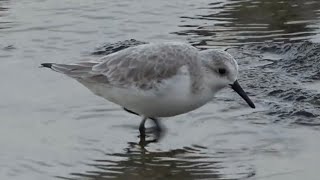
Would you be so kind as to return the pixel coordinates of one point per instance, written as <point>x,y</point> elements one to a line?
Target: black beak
<point>237,88</point>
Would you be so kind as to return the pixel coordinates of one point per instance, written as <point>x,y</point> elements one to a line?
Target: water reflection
<point>3,11</point>
<point>195,162</point>
<point>239,22</point>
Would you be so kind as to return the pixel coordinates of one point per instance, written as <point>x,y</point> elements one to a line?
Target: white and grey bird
<point>157,79</point>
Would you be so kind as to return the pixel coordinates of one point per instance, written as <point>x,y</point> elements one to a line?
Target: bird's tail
<point>77,70</point>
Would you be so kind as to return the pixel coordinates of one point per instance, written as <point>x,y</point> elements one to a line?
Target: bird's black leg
<point>142,129</point>
<point>158,128</point>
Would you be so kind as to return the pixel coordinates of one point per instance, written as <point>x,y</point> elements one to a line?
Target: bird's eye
<point>222,71</point>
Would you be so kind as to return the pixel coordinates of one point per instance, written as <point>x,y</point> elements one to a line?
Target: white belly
<point>172,98</point>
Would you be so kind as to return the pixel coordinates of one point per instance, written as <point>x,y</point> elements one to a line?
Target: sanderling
<point>158,79</point>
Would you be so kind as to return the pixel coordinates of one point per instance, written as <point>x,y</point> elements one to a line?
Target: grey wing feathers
<point>77,70</point>
<point>144,67</point>
<point>141,66</point>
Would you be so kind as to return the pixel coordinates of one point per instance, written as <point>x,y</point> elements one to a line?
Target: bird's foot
<point>156,131</point>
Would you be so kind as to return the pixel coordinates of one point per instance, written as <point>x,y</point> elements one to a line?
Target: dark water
<point>245,22</point>
<point>53,128</point>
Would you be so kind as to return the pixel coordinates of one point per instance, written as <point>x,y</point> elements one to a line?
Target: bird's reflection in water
<point>136,162</point>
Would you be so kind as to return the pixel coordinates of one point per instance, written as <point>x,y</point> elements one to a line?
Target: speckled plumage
<point>145,66</point>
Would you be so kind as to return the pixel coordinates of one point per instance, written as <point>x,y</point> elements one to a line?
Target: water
<point>245,22</point>
<point>53,128</point>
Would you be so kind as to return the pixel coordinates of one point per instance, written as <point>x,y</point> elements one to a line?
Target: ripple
<point>238,22</point>
<point>194,162</point>
<point>282,83</point>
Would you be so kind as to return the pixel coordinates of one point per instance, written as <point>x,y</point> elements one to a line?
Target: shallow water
<point>52,127</point>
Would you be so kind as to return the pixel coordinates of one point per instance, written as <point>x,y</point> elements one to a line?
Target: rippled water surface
<point>53,128</point>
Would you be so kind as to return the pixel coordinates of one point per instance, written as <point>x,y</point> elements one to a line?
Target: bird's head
<point>222,71</point>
